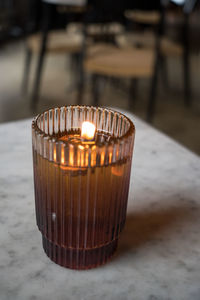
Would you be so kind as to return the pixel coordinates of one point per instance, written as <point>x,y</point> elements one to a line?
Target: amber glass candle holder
<point>81,186</point>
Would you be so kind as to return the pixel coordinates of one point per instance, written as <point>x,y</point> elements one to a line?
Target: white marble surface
<point>158,257</point>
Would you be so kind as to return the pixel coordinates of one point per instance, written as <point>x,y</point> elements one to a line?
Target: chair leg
<point>95,90</point>
<point>165,80</point>
<point>186,62</point>
<point>133,93</point>
<point>74,66</point>
<point>186,71</point>
<point>80,95</point>
<point>80,80</point>
<point>37,80</point>
<point>152,95</point>
<point>28,57</point>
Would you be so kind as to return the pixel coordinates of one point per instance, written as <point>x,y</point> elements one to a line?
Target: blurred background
<point>140,56</point>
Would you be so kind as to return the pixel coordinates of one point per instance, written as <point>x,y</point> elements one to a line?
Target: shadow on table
<point>151,226</point>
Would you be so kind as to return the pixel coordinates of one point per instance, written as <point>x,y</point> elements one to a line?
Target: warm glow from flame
<point>54,155</point>
<point>81,147</point>
<point>110,157</point>
<point>71,156</point>
<point>117,170</point>
<point>87,131</point>
<point>62,156</point>
<point>93,156</point>
<point>80,156</point>
<point>102,158</point>
<point>86,158</point>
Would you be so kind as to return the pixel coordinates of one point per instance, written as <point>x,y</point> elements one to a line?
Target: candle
<point>87,131</point>
<point>82,162</point>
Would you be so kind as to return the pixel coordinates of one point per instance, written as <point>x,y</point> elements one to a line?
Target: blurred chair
<point>167,46</point>
<point>59,42</point>
<point>111,62</point>
<point>107,60</point>
<point>145,17</point>
<point>49,6</point>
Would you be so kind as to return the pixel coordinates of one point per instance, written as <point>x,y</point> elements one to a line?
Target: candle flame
<point>87,131</point>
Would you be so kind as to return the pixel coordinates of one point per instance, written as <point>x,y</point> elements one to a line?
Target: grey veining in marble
<point>158,257</point>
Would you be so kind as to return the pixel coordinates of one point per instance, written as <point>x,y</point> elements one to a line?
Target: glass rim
<point>56,139</point>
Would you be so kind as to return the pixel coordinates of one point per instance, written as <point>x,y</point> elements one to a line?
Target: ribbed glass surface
<point>81,188</point>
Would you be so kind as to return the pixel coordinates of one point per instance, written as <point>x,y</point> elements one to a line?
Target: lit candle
<point>83,140</point>
<point>88,131</point>
<point>81,173</point>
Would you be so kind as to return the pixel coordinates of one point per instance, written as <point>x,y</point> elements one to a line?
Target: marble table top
<point>158,256</point>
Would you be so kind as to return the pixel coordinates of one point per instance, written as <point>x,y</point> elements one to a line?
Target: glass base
<point>80,259</point>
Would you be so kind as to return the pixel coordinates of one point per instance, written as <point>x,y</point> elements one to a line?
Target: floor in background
<point>172,117</point>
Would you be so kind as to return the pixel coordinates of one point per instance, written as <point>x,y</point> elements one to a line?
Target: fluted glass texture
<point>81,187</point>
